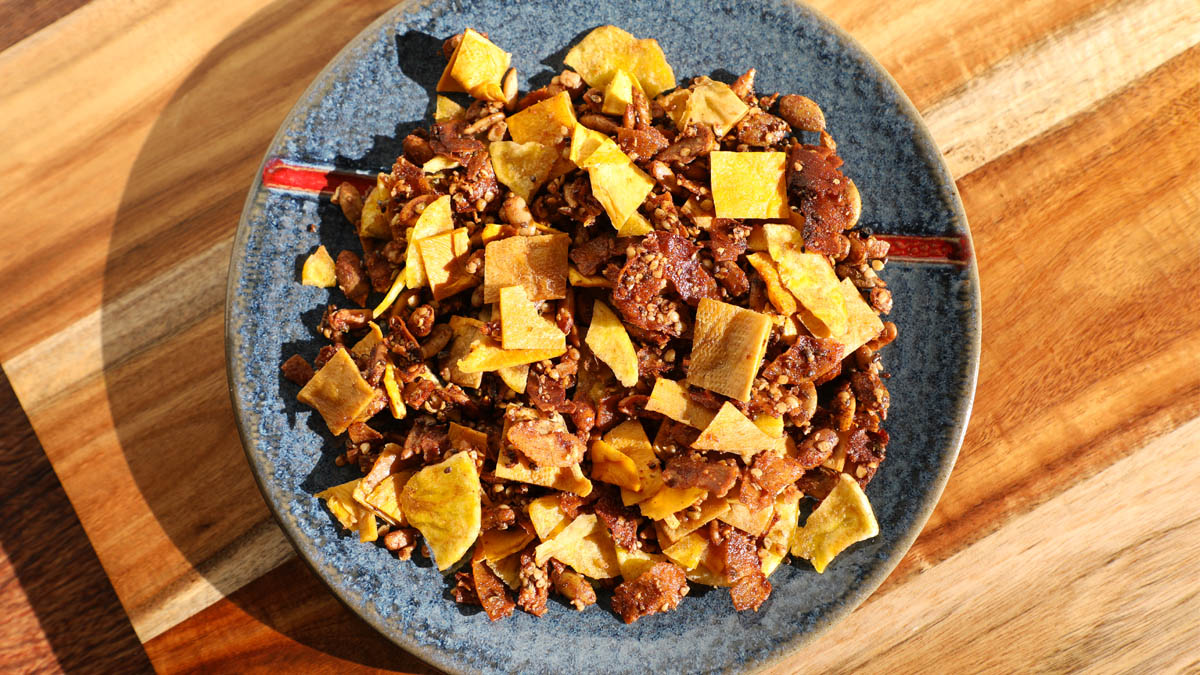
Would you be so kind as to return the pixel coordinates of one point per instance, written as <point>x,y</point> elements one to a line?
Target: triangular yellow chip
<point>486,355</point>
<point>715,104</point>
<point>607,49</point>
<point>585,546</point>
<point>610,343</point>
<point>843,518</point>
<point>731,431</point>
<point>547,122</point>
<point>620,189</point>
<point>810,278</point>
<point>523,167</point>
<point>523,327</point>
<point>670,398</point>
<point>443,502</point>
<point>319,269</point>
<point>612,466</point>
<point>477,67</point>
<point>435,219</point>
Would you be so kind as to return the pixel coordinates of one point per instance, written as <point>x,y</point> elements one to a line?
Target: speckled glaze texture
<point>353,117</point>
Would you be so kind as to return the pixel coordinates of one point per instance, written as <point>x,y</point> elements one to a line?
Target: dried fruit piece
<point>727,348</point>
<point>613,466</point>
<point>523,167</point>
<point>318,270</point>
<point>392,293</point>
<point>338,392</point>
<point>585,546</point>
<point>607,49</point>
<point>477,67</point>
<point>523,327</point>
<point>715,104</point>
<point>539,264</point>
<point>394,394</point>
<point>610,343</point>
<point>731,431</point>
<point>435,219</point>
<point>810,278</point>
<point>749,184</point>
<point>548,122</point>
<point>443,502</point>
<point>843,518</point>
<point>353,516</point>
<point>671,399</point>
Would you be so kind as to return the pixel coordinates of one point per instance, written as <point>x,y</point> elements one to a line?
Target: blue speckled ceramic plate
<point>353,117</point>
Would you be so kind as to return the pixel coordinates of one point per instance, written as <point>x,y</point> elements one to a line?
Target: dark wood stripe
<point>19,20</point>
<point>59,610</point>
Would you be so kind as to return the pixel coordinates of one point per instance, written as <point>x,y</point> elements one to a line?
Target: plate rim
<point>850,601</point>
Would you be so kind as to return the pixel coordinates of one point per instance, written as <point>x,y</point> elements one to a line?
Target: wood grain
<point>59,609</point>
<point>1069,124</point>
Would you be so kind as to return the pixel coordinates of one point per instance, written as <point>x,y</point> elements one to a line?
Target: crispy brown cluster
<point>533,425</point>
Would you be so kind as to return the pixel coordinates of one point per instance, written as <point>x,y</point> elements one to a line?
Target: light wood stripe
<point>1022,97</point>
<point>1032,92</point>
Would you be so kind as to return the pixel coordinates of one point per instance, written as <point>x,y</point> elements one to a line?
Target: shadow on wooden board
<point>168,394</point>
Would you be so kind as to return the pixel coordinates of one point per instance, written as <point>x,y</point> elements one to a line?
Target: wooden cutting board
<point>1066,538</point>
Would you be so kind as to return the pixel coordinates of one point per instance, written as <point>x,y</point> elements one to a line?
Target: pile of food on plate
<point>608,334</point>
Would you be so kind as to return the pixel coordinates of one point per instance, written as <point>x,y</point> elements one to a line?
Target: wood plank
<point>160,276</point>
<point>19,21</point>
<point>285,621</point>
<point>1091,352</point>
<point>59,609</point>
<point>1052,587</point>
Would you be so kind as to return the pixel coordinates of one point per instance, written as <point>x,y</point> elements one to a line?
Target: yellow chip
<point>318,270</point>
<point>780,297</point>
<point>591,148</point>
<point>363,348</point>
<point>547,122</point>
<point>740,516</point>
<point>749,184</point>
<point>862,323</point>
<point>374,222</point>
<point>620,189</point>
<point>779,537</point>
<point>770,424</point>
<point>443,502</point>
<point>635,226</point>
<point>618,93</point>
<point>523,167</point>
<point>670,398</point>
<point>607,49</point>
<point>439,164</point>
<point>668,501</point>
<point>612,466</point>
<point>585,546</point>
<point>353,516</point>
<point>338,392</point>
<point>477,67</point>
<point>675,104</point>
<point>499,544</point>
<point>703,575</point>
<point>435,219</point>
<point>547,516</point>
<point>538,263</point>
<point>610,343</point>
<point>629,438</point>
<point>577,278</point>
<point>512,465</point>
<point>635,563</point>
<point>466,334</point>
<point>711,508</point>
<point>523,327</point>
<point>444,256</point>
<point>394,394</point>
<point>715,104</point>
<point>515,377</point>
<point>447,110</point>
<point>843,518</point>
<point>392,294</point>
<point>731,431</point>
<point>486,355</point>
<point>688,551</point>
<point>727,348</point>
<point>509,570</point>
<point>810,278</point>
<point>384,499</point>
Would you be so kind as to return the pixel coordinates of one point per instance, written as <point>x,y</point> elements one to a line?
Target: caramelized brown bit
<point>817,447</point>
<point>658,589</point>
<point>546,443</point>
<point>622,522</point>
<point>535,583</point>
<point>773,472</point>
<point>297,370</point>
<point>743,569</point>
<point>807,359</point>
<point>815,184</point>
<point>693,470</point>
<point>573,585</point>
<point>351,278</point>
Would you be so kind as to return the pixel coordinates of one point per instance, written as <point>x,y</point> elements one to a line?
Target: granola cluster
<point>610,333</point>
